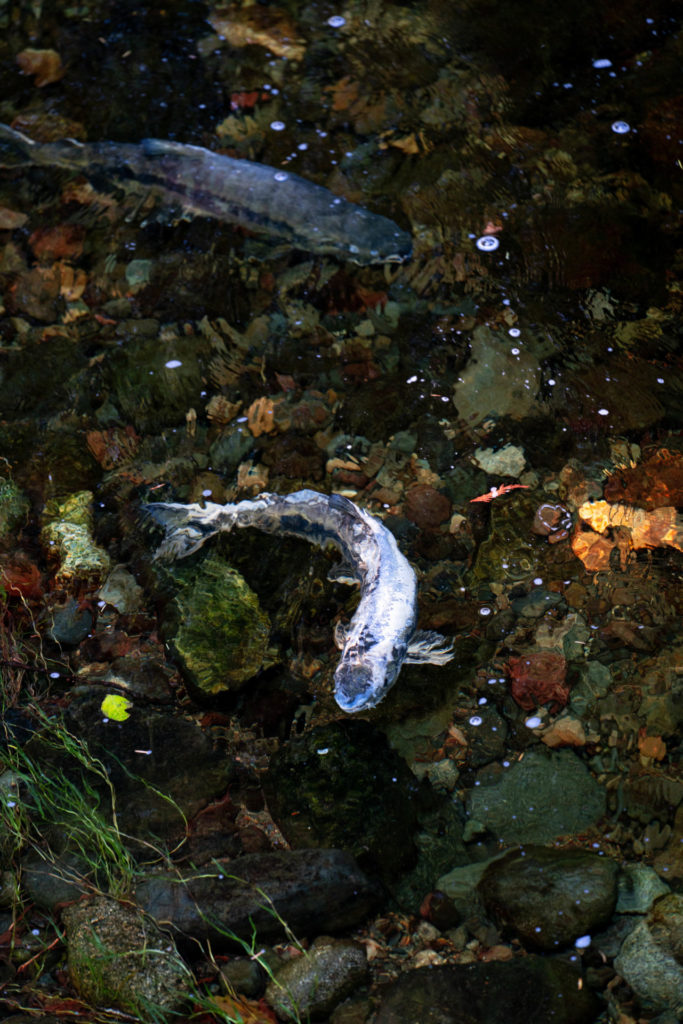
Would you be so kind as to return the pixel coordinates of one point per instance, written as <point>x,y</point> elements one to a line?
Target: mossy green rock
<point>14,508</point>
<point>310,986</point>
<point>67,536</point>
<point>118,957</point>
<point>510,552</point>
<point>221,639</point>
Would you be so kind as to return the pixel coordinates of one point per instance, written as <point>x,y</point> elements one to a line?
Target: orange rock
<point>663,527</point>
<point>565,732</point>
<point>652,747</point>
<point>499,952</point>
<point>593,550</point>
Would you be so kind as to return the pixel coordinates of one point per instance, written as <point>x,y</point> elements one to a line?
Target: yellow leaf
<point>115,707</point>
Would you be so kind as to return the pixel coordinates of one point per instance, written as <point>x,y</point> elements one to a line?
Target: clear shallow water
<point>142,356</point>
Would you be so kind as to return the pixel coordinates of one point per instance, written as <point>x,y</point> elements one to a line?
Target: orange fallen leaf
<point>497,492</point>
<point>286,381</point>
<point>46,65</point>
<point>221,410</point>
<point>59,242</point>
<point>593,550</point>
<point>21,578</point>
<point>112,446</point>
<point>261,26</point>
<point>260,418</point>
<point>73,283</point>
<point>249,1011</point>
<point>344,93</point>
<point>247,100</point>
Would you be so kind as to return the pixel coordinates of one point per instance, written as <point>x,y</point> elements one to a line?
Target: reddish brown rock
<point>427,507</point>
<point>539,678</point>
<point>64,241</point>
<point>655,482</point>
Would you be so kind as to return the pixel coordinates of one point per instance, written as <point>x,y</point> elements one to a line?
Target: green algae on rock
<point>313,984</point>
<point>118,957</point>
<point>221,639</point>
<point>67,536</point>
<point>13,508</point>
<point>510,552</point>
<point>529,802</point>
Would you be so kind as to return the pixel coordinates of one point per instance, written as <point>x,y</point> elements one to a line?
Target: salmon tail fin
<point>186,527</point>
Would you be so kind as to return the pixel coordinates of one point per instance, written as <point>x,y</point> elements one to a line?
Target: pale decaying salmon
<point>381,636</point>
<point>266,200</point>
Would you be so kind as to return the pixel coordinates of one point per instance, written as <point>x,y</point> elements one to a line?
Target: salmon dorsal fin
<point>163,147</point>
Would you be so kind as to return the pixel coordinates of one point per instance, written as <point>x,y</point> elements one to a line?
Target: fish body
<point>381,635</point>
<point>266,200</point>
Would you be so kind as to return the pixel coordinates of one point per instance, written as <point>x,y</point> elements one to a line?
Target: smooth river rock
<point>528,990</point>
<point>545,795</point>
<point>549,897</point>
<point>651,958</point>
<point>311,891</point>
<point>311,985</point>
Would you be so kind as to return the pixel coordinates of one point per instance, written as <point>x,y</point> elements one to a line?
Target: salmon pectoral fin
<point>429,648</point>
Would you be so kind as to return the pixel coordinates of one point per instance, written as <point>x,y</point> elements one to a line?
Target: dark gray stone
<point>550,897</point>
<point>310,891</point>
<point>49,883</point>
<point>529,990</point>
<point>341,786</point>
<point>164,769</point>
<point>244,974</point>
<point>70,624</point>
